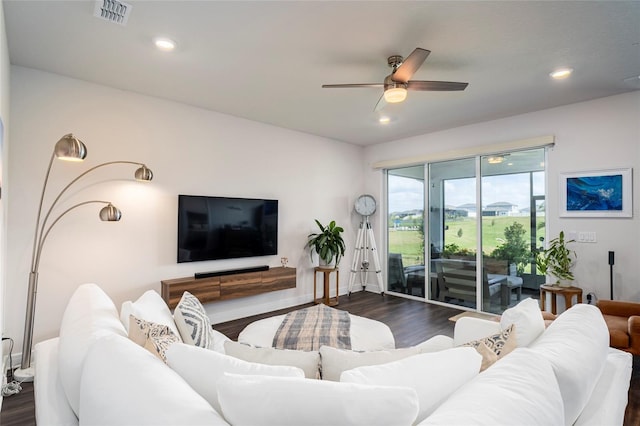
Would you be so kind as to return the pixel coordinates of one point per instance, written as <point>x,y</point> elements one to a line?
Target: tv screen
<point>211,228</point>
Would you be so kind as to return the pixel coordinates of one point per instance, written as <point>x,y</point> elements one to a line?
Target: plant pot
<point>322,264</point>
<point>565,283</point>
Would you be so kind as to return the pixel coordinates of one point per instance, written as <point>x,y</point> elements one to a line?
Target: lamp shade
<point>144,174</point>
<point>70,148</point>
<point>110,213</point>
<point>395,94</point>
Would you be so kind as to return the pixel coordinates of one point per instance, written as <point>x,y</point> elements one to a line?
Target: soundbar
<point>209,274</point>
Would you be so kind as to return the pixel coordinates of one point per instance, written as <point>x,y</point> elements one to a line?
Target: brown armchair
<point>623,320</point>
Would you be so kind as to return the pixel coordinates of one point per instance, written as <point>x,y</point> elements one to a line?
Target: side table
<point>567,292</point>
<point>326,299</point>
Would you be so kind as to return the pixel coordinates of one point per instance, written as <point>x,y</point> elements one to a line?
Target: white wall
<point>191,151</point>
<point>599,134</point>
<point>200,152</point>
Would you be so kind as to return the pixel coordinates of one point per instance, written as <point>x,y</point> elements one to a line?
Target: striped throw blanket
<point>308,329</point>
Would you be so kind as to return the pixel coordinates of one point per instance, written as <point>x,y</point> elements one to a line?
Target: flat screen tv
<point>211,228</point>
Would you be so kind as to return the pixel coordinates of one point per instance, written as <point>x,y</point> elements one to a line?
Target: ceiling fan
<point>398,82</point>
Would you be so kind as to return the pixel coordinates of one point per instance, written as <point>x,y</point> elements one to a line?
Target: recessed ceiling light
<point>561,73</point>
<point>384,120</point>
<point>164,44</point>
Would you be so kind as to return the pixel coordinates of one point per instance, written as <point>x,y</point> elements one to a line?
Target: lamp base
<point>24,374</point>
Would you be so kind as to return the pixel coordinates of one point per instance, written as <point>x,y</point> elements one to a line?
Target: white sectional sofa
<point>562,375</point>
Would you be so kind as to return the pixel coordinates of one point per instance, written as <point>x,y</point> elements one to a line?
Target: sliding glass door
<point>453,231</point>
<point>482,227</point>
<point>512,188</point>
<point>405,236</point>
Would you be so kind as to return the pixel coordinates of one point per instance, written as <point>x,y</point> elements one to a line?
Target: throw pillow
<point>434,375</point>
<point>192,321</point>
<point>494,347</point>
<point>527,317</point>
<point>309,362</point>
<point>335,361</point>
<point>156,338</point>
<point>149,307</point>
<point>202,369</point>
<point>286,401</point>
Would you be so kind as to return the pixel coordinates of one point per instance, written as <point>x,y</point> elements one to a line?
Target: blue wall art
<point>604,193</point>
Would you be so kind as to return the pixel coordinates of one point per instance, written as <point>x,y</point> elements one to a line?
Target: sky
<point>407,194</point>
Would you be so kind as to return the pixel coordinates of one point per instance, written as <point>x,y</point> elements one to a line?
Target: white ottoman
<point>366,334</point>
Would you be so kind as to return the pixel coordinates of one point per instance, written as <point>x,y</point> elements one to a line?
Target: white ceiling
<point>266,60</point>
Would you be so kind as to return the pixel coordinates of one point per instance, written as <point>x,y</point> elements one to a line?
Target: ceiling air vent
<point>112,11</point>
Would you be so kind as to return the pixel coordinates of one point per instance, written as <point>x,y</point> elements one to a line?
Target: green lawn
<point>408,242</point>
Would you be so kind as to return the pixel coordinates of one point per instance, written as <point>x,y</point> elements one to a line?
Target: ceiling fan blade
<point>380,104</point>
<point>410,65</point>
<point>340,86</point>
<point>436,85</point>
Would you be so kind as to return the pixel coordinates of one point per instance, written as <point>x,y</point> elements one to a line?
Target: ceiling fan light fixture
<point>394,95</point>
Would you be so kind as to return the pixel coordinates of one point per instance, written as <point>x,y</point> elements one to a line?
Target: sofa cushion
<point>307,361</point>
<point>124,384</point>
<point>203,368</point>
<point>335,361</point>
<point>469,328</point>
<point>609,399</point>
<point>434,376</point>
<point>193,322</point>
<point>520,389</point>
<point>286,401</point>
<point>89,315</point>
<point>149,307</point>
<point>435,343</point>
<point>527,317</point>
<point>51,403</point>
<point>218,341</point>
<point>576,345</point>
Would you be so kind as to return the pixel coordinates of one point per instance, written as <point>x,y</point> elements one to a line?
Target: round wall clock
<point>365,205</point>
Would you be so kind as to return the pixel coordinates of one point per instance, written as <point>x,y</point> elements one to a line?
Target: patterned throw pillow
<point>192,321</point>
<point>156,338</point>
<point>494,347</point>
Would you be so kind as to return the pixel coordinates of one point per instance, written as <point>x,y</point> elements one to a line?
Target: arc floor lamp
<point>68,148</point>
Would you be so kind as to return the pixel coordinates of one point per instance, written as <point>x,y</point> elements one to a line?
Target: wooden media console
<point>231,286</point>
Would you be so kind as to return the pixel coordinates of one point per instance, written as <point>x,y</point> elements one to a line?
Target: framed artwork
<point>599,193</point>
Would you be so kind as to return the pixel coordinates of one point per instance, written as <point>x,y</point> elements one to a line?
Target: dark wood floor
<point>410,321</point>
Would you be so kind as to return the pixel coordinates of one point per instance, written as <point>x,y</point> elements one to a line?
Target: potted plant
<point>557,260</point>
<point>328,243</point>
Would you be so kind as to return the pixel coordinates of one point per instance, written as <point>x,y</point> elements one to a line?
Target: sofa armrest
<point>634,331</point>
<point>52,406</point>
<point>469,328</point>
<point>619,308</point>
